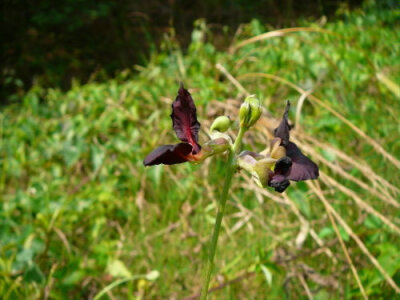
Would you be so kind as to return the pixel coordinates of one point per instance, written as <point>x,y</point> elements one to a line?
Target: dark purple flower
<point>186,126</point>
<point>295,165</point>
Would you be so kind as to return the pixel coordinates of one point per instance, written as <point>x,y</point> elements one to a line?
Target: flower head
<point>295,166</point>
<point>282,163</point>
<point>186,127</point>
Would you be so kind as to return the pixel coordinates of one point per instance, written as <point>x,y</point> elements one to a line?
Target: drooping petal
<point>169,154</point>
<point>279,182</point>
<point>282,131</point>
<point>184,119</point>
<point>278,179</point>
<point>302,168</point>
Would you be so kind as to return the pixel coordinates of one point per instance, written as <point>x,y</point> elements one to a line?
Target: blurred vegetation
<point>51,42</point>
<point>80,212</point>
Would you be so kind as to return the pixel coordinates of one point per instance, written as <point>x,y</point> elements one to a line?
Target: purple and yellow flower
<point>282,163</point>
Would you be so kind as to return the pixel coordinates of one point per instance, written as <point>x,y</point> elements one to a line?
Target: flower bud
<point>221,124</point>
<point>250,111</point>
<point>218,145</point>
<point>216,135</point>
<point>244,114</point>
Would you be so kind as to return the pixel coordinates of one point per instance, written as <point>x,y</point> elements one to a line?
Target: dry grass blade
<point>305,286</point>
<point>361,166</point>
<point>313,234</point>
<point>287,202</point>
<point>232,79</point>
<point>278,33</point>
<point>299,106</point>
<point>342,244</point>
<point>360,202</point>
<point>360,244</point>
<point>391,85</point>
<point>361,133</point>
<point>337,169</point>
<point>264,192</point>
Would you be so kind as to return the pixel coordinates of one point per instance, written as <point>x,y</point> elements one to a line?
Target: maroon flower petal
<point>184,119</point>
<point>279,182</point>
<point>302,168</point>
<point>168,154</point>
<point>282,131</point>
<point>283,166</point>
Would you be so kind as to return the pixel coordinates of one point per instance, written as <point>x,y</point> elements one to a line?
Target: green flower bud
<point>216,135</point>
<point>250,111</point>
<point>221,124</point>
<point>244,114</point>
<point>218,145</point>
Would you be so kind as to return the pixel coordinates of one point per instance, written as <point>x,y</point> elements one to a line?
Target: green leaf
<point>267,274</point>
<point>117,268</point>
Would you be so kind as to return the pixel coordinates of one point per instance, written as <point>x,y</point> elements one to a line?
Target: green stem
<point>232,165</point>
<point>217,225</point>
<point>238,141</point>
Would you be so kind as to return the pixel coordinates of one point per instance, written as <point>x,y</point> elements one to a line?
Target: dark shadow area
<point>51,42</point>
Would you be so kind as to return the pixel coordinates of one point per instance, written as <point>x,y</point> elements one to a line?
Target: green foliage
<point>79,211</point>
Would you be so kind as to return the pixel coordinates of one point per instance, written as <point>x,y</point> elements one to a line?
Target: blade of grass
<point>150,276</point>
<point>360,202</point>
<point>361,166</point>
<point>358,241</point>
<point>278,33</point>
<point>342,244</point>
<point>337,169</point>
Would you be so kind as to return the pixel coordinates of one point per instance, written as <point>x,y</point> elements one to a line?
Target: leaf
<point>153,275</point>
<point>326,231</point>
<point>34,274</point>
<point>117,268</point>
<point>267,274</point>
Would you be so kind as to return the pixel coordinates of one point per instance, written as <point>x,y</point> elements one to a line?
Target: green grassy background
<point>79,211</point>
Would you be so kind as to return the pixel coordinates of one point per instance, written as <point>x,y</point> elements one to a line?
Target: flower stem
<point>238,141</point>
<point>217,225</point>
<point>232,165</point>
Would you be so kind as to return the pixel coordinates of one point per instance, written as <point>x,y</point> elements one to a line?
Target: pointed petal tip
<point>184,119</point>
